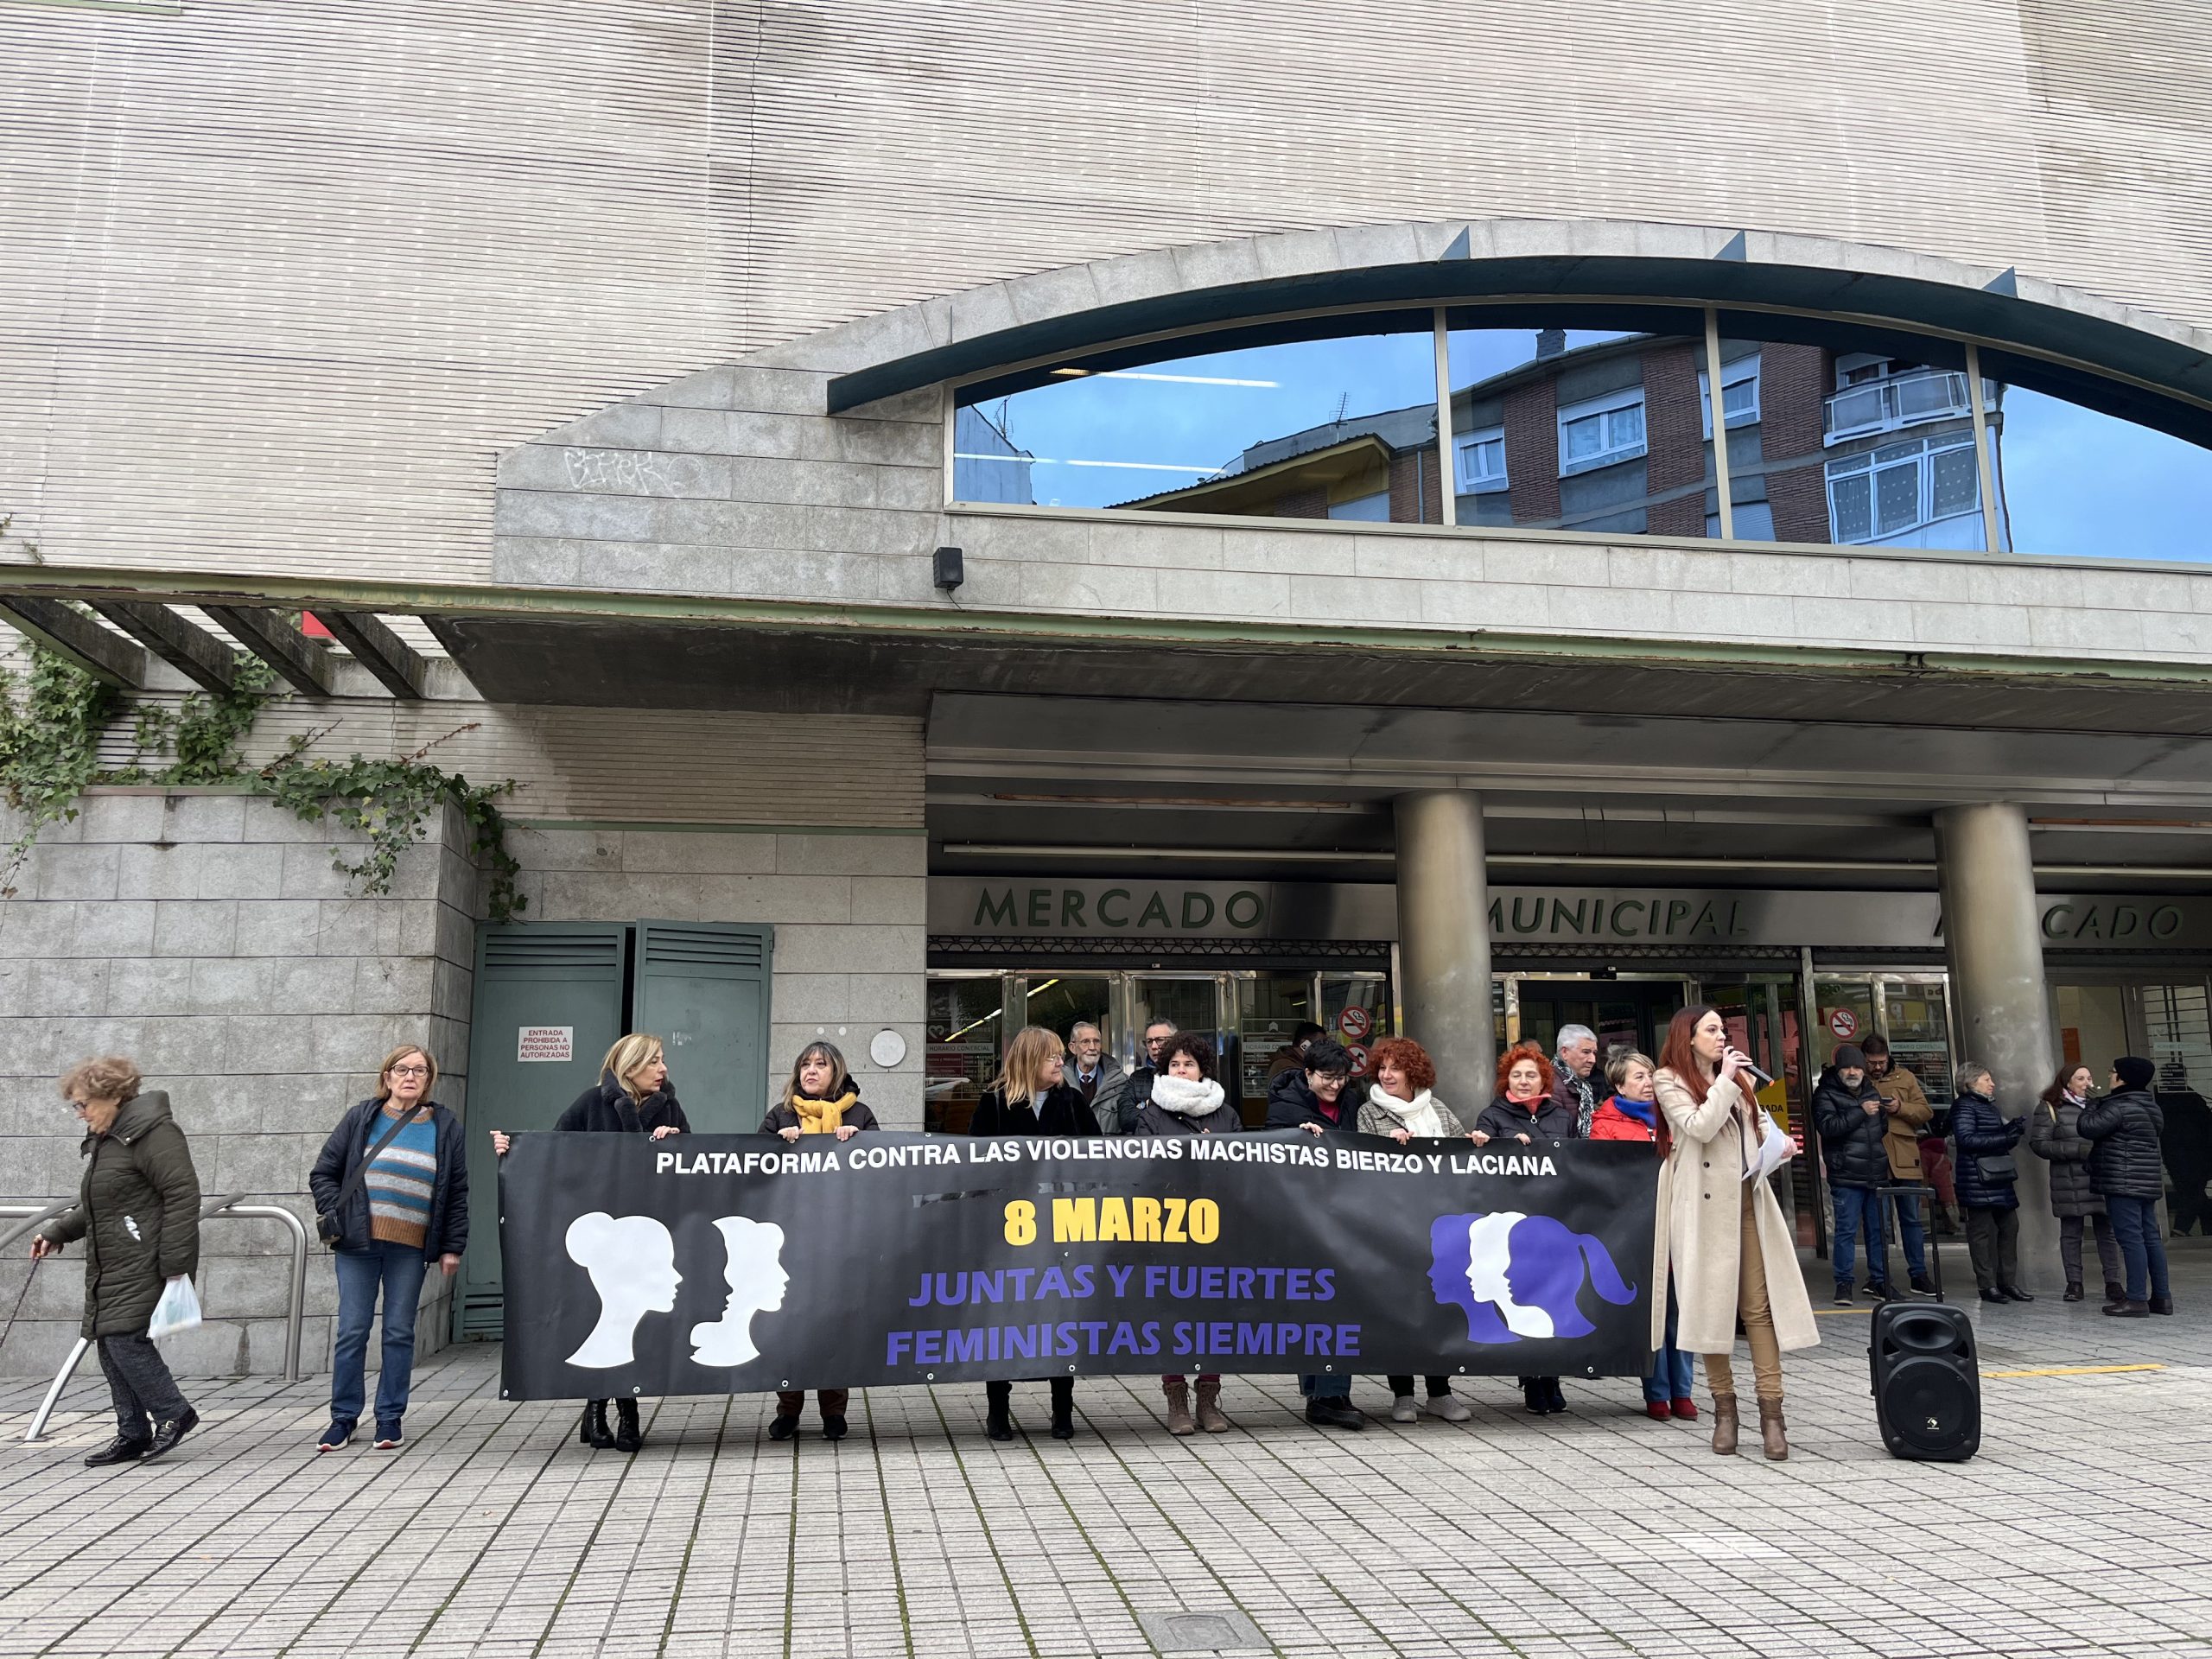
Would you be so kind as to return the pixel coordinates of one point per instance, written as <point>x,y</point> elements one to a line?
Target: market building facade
<point>904,620</point>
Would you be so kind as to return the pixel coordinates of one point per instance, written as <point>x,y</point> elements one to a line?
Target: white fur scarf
<point>1417,1116</point>
<point>1187,1096</point>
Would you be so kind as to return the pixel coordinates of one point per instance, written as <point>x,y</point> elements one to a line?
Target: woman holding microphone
<point>1720,1232</point>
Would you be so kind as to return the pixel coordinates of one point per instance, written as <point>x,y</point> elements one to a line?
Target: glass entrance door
<point>1625,1013</point>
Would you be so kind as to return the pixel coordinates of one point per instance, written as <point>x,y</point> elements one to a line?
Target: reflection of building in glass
<point>1615,437</point>
<point>1381,468</point>
<point>992,467</point>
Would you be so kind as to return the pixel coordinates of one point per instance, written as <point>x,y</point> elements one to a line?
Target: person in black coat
<point>388,1221</point>
<point>1847,1110</point>
<point>1527,1109</point>
<point>1130,1100</point>
<point>1309,1096</point>
<point>1031,1095</point>
<point>1985,1138</point>
<point>2128,1173</point>
<point>820,1099</point>
<point>1186,1099</point>
<point>635,1096</point>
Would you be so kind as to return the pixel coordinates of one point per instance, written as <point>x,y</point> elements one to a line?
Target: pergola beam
<point>70,634</point>
<point>185,646</point>
<point>271,637</point>
<point>380,651</point>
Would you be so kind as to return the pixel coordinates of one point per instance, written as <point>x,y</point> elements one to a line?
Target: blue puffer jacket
<point>1979,1130</point>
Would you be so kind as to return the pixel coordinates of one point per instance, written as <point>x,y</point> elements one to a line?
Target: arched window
<point>1599,418</point>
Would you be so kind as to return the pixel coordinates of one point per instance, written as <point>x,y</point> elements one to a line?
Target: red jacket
<point>1610,1122</point>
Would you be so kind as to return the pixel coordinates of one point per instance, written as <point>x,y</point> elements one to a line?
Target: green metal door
<point>548,1007</point>
<point>703,989</point>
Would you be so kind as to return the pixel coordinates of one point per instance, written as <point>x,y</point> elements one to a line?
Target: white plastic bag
<point>178,1310</point>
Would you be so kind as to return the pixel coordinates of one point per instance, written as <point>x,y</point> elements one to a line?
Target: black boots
<point>627,1438</point>
<point>783,1426</point>
<point>2013,1293</point>
<point>2162,1304</point>
<point>998,1417</point>
<point>2074,1292</point>
<point>593,1431</point>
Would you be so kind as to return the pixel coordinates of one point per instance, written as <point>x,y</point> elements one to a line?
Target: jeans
<point>2070,1248</point>
<point>1674,1373</point>
<point>2135,1220</point>
<point>398,1270</point>
<point>1993,1246</point>
<point>1909,1231</point>
<point>1325,1388</point>
<point>1858,1207</point>
<point>139,1379</point>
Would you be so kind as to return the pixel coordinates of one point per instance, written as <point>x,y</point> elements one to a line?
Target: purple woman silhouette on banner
<point>1516,1275</point>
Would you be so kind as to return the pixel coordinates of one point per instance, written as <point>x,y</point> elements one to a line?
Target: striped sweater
<point>399,1182</point>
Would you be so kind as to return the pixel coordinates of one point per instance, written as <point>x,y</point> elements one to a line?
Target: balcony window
<point>1600,432</point>
<point>1893,403</point>
<point>1374,509</point>
<point>1481,461</point>
<point>1739,393</point>
<point>1896,494</point>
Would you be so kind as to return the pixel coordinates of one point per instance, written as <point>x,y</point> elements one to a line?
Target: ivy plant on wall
<point>53,719</point>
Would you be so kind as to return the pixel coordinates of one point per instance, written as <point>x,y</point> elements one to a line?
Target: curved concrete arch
<point>1171,289</point>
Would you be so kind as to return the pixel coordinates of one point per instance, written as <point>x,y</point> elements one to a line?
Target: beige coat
<point>1901,1135</point>
<point>1701,1228</point>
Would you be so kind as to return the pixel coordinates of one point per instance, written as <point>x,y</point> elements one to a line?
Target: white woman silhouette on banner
<point>754,1272</point>
<point>631,1262</point>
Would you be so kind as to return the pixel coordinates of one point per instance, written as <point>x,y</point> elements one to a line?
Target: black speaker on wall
<point>1927,1381</point>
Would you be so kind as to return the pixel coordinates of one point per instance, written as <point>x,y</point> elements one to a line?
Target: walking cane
<point>5,1330</point>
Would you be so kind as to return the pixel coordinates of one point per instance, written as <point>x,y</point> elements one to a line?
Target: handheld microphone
<point>1744,1064</point>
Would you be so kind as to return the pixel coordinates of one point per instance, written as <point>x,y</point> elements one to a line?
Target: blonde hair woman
<point>1031,1095</point>
<point>390,1197</point>
<point>1723,1236</point>
<point>635,1096</point>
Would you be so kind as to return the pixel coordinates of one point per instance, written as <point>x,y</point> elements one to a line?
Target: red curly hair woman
<point>1398,1105</point>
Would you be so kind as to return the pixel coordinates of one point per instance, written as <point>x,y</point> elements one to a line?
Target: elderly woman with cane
<point>137,1211</point>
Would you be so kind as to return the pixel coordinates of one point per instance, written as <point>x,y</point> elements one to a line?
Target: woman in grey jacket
<point>2054,1136</point>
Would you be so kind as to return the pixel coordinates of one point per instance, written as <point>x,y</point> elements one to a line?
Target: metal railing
<point>1896,402</point>
<point>223,1208</point>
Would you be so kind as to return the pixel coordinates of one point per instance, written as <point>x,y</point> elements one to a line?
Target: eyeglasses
<point>1337,1077</point>
<point>411,1070</point>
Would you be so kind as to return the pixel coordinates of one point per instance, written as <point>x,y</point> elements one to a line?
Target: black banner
<point>724,1264</point>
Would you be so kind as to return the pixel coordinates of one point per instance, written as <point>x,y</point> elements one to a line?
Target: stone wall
<point>206,935</point>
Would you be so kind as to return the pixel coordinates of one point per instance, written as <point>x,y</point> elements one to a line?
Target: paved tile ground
<point>2083,1528</point>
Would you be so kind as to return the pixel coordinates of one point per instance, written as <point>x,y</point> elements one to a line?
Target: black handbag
<point>1998,1166</point>
<point>326,1225</point>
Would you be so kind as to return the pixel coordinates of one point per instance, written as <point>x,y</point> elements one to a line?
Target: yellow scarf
<point>822,1116</point>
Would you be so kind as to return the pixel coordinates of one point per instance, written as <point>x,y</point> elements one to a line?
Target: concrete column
<point>2001,1006</point>
<point>1444,941</point>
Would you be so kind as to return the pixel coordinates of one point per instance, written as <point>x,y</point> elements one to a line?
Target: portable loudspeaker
<point>1927,1381</point>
